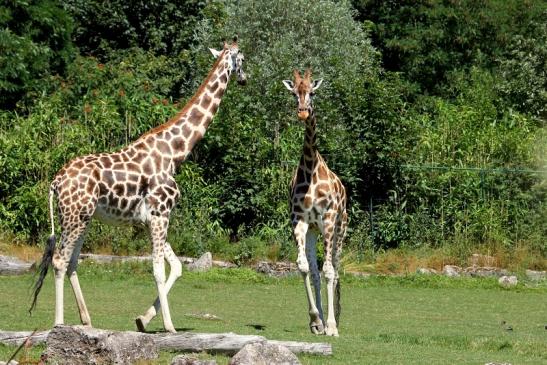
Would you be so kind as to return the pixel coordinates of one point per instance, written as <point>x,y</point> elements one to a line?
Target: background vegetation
<point>432,112</point>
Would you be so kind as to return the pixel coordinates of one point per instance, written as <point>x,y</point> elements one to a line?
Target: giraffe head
<point>303,89</point>
<point>234,59</point>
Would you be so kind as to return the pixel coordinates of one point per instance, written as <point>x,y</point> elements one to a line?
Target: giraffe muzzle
<point>303,114</point>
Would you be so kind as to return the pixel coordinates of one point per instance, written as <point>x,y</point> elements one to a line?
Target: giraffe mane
<point>190,102</point>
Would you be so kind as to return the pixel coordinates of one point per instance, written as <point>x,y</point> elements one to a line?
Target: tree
<point>34,42</point>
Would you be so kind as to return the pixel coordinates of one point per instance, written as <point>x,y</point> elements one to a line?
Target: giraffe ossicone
<point>318,206</point>
<point>134,185</point>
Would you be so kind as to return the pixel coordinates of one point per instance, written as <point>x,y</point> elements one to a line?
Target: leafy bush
<point>35,41</point>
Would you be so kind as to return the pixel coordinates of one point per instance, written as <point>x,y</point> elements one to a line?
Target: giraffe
<point>318,206</point>
<point>133,186</point>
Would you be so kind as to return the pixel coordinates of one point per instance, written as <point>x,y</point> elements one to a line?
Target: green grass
<point>395,320</point>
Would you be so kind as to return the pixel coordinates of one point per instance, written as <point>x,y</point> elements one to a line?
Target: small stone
<point>452,270</point>
<point>260,353</point>
<point>426,271</point>
<point>189,360</point>
<point>204,263</point>
<point>508,281</point>
<point>207,316</point>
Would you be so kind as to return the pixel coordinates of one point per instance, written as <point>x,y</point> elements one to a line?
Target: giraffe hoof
<point>317,328</point>
<point>141,326</point>
<point>331,331</point>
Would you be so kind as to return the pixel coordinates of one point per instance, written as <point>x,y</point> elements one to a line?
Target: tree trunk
<point>13,266</point>
<point>226,343</point>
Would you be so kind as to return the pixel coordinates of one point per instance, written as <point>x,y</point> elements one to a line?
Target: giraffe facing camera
<point>133,186</point>
<point>318,206</point>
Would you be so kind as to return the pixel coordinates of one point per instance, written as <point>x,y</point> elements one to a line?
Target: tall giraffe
<point>135,185</point>
<point>318,205</point>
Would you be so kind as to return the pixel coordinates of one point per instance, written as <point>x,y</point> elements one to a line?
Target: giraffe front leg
<point>158,230</point>
<point>300,232</point>
<point>329,272</point>
<point>174,273</point>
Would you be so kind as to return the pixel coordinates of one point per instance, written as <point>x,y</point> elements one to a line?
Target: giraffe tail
<point>47,257</point>
<point>337,306</point>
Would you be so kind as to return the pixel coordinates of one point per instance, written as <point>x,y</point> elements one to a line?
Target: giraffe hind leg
<point>329,236</point>
<point>174,273</point>
<point>74,282</point>
<point>341,229</point>
<point>158,231</point>
<point>61,260</point>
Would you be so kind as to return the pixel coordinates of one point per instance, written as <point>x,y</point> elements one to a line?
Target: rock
<point>277,269</point>
<point>484,272</point>
<point>12,362</point>
<point>508,281</point>
<point>426,271</point>
<point>189,360</point>
<point>260,353</point>
<point>536,275</point>
<point>478,259</point>
<point>75,345</point>
<point>204,263</point>
<point>452,270</point>
<point>264,267</point>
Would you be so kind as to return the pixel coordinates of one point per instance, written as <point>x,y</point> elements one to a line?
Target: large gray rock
<point>536,275</point>
<point>75,345</point>
<point>189,360</point>
<point>261,353</point>
<point>204,263</point>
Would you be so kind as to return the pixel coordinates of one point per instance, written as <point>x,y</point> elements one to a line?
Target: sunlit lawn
<point>413,320</point>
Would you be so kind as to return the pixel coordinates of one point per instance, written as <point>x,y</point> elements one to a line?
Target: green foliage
<point>159,26</point>
<point>524,71</point>
<point>34,41</point>
<point>427,39</point>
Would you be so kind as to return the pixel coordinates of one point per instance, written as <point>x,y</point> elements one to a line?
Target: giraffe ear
<point>215,52</point>
<point>289,85</point>
<point>316,83</point>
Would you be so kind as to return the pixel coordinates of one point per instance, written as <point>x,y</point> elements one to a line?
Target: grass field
<point>385,320</point>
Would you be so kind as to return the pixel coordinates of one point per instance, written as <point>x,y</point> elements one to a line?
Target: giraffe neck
<point>177,137</point>
<point>310,140</point>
